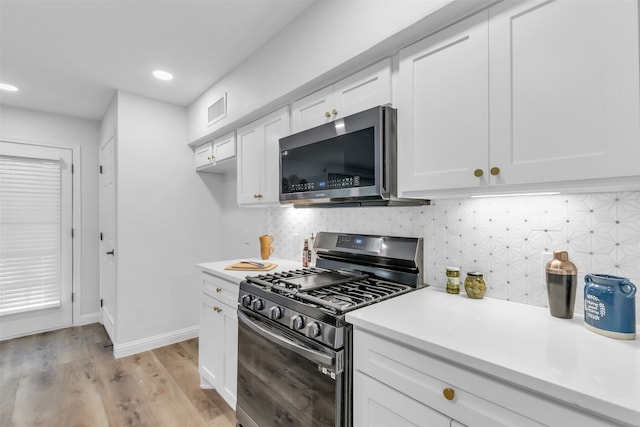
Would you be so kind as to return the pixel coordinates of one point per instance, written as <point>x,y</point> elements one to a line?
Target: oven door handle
<point>309,354</point>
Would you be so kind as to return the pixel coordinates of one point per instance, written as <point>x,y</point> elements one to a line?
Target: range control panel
<point>364,243</point>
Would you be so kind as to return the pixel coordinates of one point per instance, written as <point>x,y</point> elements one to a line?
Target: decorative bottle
<point>562,277</point>
<point>305,253</point>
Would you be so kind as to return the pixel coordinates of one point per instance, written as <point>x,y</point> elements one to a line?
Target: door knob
<point>478,173</point>
<point>111,252</point>
<point>495,170</point>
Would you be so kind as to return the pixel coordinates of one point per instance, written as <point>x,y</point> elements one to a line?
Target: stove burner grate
<point>336,296</point>
<point>351,295</point>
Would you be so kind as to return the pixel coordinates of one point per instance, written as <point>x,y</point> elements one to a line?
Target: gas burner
<point>338,299</point>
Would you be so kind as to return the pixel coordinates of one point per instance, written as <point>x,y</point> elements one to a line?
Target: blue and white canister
<point>609,306</point>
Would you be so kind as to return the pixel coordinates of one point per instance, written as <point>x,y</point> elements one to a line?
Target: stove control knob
<point>276,313</point>
<point>246,301</point>
<point>297,322</point>
<point>314,330</point>
<point>257,304</point>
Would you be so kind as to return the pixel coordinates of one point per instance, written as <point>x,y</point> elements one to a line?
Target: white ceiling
<point>70,56</point>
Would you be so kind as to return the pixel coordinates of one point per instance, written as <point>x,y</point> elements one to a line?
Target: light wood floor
<point>68,378</point>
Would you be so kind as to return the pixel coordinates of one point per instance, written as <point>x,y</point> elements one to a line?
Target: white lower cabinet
<point>397,385</point>
<point>218,348</point>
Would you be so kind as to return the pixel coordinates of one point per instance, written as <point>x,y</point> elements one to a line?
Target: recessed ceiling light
<point>8,87</point>
<point>162,75</point>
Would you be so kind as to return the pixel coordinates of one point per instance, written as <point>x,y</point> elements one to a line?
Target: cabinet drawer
<point>478,400</point>
<point>222,290</point>
<point>378,405</point>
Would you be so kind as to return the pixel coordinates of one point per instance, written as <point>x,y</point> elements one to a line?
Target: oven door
<point>285,379</point>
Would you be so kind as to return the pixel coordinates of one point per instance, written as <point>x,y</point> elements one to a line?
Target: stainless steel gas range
<point>294,346</point>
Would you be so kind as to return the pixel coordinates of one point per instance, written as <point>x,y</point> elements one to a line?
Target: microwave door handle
<point>309,354</point>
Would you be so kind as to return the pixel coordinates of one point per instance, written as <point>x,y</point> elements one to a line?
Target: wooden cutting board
<point>245,266</point>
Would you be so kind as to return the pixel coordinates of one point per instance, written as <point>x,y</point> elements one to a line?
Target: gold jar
<point>475,285</point>
<point>453,280</point>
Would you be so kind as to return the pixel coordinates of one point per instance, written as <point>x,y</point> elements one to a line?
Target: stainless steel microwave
<point>348,162</point>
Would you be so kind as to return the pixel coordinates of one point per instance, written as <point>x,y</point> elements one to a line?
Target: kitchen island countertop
<point>518,343</point>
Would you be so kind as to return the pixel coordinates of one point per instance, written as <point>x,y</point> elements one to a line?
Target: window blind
<point>30,241</point>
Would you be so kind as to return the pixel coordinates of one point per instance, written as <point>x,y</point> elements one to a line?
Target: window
<point>30,225</point>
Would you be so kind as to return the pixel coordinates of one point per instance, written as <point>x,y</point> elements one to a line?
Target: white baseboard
<point>205,384</point>
<point>87,319</point>
<point>146,344</point>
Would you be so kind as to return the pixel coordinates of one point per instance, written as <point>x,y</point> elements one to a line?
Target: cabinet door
<point>224,148</point>
<point>564,90</point>
<point>229,371</point>
<point>218,347</point>
<point>312,110</point>
<point>276,126</point>
<point>360,91</point>
<point>258,159</point>
<point>250,163</point>
<point>443,117</point>
<point>202,155</point>
<point>377,405</point>
<point>209,349</point>
<point>363,90</point>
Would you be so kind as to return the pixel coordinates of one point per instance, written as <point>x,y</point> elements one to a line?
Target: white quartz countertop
<point>217,268</point>
<point>518,343</point>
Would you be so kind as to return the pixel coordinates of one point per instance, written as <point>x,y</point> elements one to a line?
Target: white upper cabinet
<point>443,111</point>
<point>534,95</point>
<point>564,97</point>
<point>258,159</point>
<point>217,155</point>
<point>203,155</point>
<point>365,89</point>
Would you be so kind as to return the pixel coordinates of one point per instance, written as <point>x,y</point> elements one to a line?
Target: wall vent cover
<point>217,110</point>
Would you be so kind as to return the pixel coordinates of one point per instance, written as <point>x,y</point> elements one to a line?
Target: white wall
<point>329,39</point>
<point>81,134</point>
<point>165,222</point>
<point>168,219</point>
<point>239,227</point>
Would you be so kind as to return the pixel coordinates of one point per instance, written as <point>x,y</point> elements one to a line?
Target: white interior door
<point>36,244</point>
<point>107,229</point>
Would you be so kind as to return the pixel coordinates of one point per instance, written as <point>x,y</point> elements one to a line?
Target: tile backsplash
<point>509,239</point>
